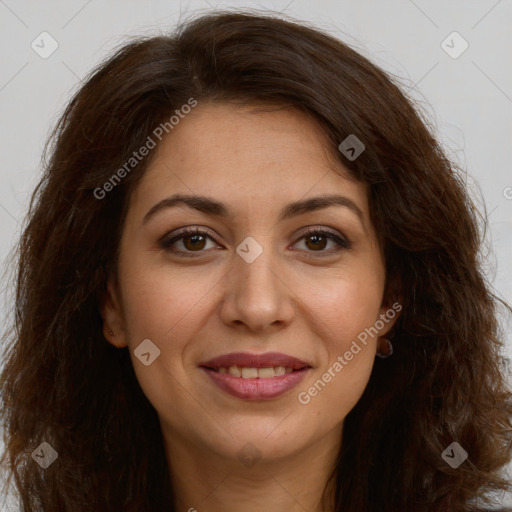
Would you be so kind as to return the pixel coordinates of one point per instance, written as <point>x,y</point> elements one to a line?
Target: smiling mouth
<point>251,383</point>
<point>245,372</point>
<point>251,376</point>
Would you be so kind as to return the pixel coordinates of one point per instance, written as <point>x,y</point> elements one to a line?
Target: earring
<point>111,333</point>
<point>385,348</point>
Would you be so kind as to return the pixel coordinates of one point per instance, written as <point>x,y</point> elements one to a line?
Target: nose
<point>257,294</point>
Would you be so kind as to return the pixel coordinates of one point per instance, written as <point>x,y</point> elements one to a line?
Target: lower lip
<point>256,389</point>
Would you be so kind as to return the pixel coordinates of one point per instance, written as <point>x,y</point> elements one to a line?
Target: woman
<point>234,221</point>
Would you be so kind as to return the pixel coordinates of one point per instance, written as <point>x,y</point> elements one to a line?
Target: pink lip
<point>256,389</point>
<point>255,360</point>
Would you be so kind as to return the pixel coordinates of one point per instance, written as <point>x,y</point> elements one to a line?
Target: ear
<point>114,328</point>
<point>388,315</point>
<point>391,306</point>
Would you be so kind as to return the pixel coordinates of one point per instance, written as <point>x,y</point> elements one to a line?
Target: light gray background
<point>468,99</point>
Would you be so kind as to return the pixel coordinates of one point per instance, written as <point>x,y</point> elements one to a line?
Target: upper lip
<point>248,360</point>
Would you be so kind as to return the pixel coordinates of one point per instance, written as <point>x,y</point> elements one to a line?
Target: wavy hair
<point>62,383</point>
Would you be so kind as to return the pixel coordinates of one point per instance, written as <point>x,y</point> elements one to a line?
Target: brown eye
<point>317,240</point>
<point>191,240</point>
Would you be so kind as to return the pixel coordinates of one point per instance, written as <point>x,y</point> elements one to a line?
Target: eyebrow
<point>215,208</point>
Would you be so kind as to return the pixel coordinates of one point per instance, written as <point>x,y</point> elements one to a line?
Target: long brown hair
<point>65,385</point>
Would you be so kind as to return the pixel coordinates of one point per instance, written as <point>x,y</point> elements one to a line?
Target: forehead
<point>250,157</point>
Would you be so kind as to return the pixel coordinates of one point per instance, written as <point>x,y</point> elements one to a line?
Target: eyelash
<point>167,243</point>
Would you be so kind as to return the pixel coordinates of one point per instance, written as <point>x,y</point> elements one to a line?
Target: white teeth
<point>235,371</point>
<point>249,373</point>
<point>266,373</point>
<point>253,373</point>
<point>280,370</point>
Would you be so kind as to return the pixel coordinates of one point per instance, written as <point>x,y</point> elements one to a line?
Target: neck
<point>215,483</point>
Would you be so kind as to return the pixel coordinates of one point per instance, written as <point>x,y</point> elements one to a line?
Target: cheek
<point>162,301</point>
<point>337,390</point>
<point>346,363</point>
<point>346,305</point>
<point>166,306</point>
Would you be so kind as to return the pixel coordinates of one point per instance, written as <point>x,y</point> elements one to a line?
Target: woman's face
<point>253,283</point>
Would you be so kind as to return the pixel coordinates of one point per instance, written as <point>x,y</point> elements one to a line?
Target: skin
<point>291,299</point>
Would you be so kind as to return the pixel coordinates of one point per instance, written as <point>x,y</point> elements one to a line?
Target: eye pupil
<point>195,244</point>
<point>316,237</point>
